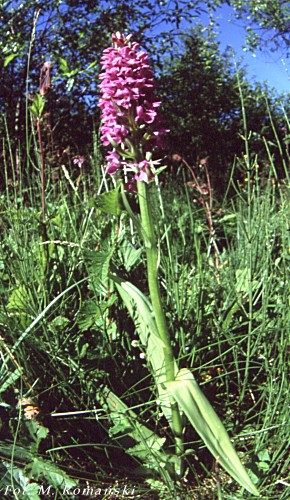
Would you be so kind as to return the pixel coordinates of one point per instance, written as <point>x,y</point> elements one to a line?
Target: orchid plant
<point>132,128</point>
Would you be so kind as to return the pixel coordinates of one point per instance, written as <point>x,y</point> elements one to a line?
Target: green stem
<point>154,290</point>
<point>41,154</point>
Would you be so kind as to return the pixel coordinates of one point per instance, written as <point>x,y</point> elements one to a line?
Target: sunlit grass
<point>229,326</point>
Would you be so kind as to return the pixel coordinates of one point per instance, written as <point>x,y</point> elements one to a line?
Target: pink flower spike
<point>129,106</point>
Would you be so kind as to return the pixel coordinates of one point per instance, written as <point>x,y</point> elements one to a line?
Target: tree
<point>202,103</point>
<point>72,34</point>
<point>203,109</point>
<point>267,23</point>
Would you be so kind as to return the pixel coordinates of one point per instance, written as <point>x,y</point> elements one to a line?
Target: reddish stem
<point>208,206</point>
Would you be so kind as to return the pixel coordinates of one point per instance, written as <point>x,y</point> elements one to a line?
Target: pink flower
<point>129,106</point>
<point>143,173</point>
<point>113,162</point>
<point>79,160</point>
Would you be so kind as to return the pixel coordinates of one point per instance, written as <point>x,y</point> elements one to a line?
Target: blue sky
<point>261,66</point>
<point>272,68</point>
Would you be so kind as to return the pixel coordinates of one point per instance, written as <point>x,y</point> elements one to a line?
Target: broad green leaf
<point>129,254</point>
<point>208,425</point>
<point>91,311</point>
<point>13,479</point>
<point>31,492</point>
<point>18,299</point>
<point>59,323</point>
<point>140,309</point>
<point>37,432</point>
<point>110,202</point>
<point>37,106</point>
<point>98,264</point>
<point>88,315</point>
<point>44,469</point>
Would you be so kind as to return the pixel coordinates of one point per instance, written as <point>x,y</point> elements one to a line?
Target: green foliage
<point>202,100</point>
<point>147,446</point>
<point>67,341</point>
<point>26,472</point>
<point>110,202</point>
<point>8,378</point>
<point>91,313</point>
<point>37,106</point>
<point>196,79</point>
<point>208,425</point>
<point>73,33</point>
<point>75,337</point>
<point>140,310</point>
<point>267,23</point>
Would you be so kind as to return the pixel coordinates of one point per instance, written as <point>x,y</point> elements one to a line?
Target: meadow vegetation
<point>80,415</point>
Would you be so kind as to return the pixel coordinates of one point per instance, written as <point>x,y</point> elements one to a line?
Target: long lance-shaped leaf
<point>208,425</point>
<point>140,310</point>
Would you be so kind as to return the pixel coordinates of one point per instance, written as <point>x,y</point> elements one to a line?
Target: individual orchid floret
<point>144,173</point>
<point>113,162</point>
<point>79,161</point>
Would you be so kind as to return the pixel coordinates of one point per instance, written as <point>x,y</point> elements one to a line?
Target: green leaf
<point>110,202</point>
<point>18,299</point>
<point>55,476</point>
<point>31,492</point>
<point>129,254</point>
<point>8,59</point>
<point>88,314</point>
<point>63,67</point>
<point>228,217</point>
<point>243,280</point>
<point>264,460</point>
<point>209,426</point>
<point>148,447</point>
<point>92,65</point>
<point>37,106</point>
<point>91,311</point>
<point>37,432</point>
<point>20,454</point>
<point>59,323</point>
<point>13,479</point>
<point>140,309</point>
<point>99,263</point>
<point>12,377</point>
